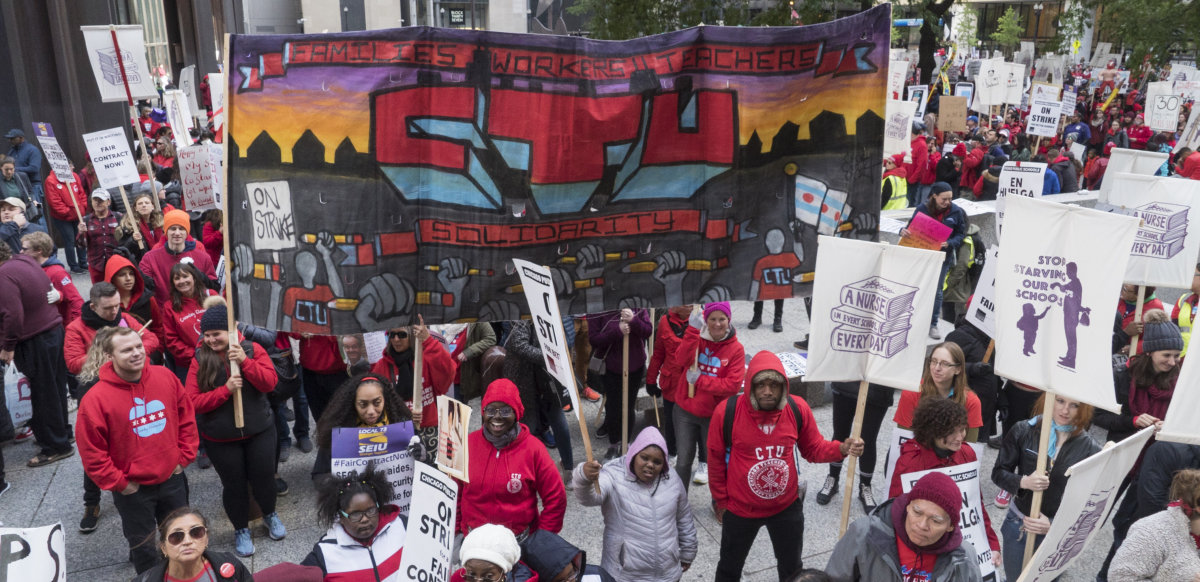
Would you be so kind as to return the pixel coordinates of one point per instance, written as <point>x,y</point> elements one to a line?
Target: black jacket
<point>945,170</point>
<point>159,572</point>
<point>547,554</point>
<point>1119,426</point>
<point>1019,455</point>
<point>974,345</point>
<point>1067,176</point>
<point>256,409</point>
<point>1163,460</point>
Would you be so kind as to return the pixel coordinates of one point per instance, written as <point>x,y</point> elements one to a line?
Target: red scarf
<point>1188,512</point>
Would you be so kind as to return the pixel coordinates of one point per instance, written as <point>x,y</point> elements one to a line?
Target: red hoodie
<point>319,353</point>
<point>763,441</point>
<point>71,301</point>
<point>1139,136</point>
<point>158,261</point>
<point>214,242</point>
<point>722,367</point>
<point>930,174</point>
<point>920,156</point>
<point>915,458</point>
<point>437,373</point>
<point>181,329</point>
<point>970,167</point>
<point>506,484</point>
<point>58,197</point>
<point>135,432</point>
<point>79,335</point>
<point>141,305</point>
<point>663,368</point>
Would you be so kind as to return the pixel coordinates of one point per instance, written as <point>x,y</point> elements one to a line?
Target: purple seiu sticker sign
<point>1163,231</point>
<point>875,316</point>
<point>386,447</point>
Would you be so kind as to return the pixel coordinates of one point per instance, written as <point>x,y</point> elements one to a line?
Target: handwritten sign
<point>58,160</point>
<point>1162,107</point>
<point>216,163</point>
<point>794,364</point>
<point>953,114</point>
<point>111,158</point>
<point>925,233</point>
<point>195,175</point>
<point>1043,117</point>
<point>271,215</point>
<point>1069,97</point>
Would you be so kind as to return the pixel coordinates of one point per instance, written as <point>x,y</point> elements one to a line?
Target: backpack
<point>289,377</point>
<point>731,408</point>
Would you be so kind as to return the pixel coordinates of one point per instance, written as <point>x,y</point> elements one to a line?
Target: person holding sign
<point>98,233</point>
<point>437,373</point>
<point>649,535</point>
<point>244,455</point>
<point>606,332</point>
<point>491,552</point>
<point>1127,310</point>
<point>367,400</point>
<point>662,373</point>
<point>945,377</point>
<point>916,536</point>
<point>183,541</point>
<point>181,315</point>
<point>66,202</point>
<point>144,224</point>
<point>938,206</point>
<point>1015,471</point>
<point>179,247</point>
<point>355,508</point>
<point>1163,546</point>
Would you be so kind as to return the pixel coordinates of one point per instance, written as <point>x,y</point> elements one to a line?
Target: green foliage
<point>1008,30</point>
<point>967,29</point>
<point>626,19</point>
<point>1149,27</point>
<point>1072,23</point>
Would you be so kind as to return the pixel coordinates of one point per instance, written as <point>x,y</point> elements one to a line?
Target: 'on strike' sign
<point>1043,117</point>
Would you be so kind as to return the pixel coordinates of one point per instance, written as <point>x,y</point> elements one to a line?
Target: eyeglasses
<point>197,533</point>
<point>472,577</point>
<point>368,513</point>
<point>502,412</point>
<point>938,364</point>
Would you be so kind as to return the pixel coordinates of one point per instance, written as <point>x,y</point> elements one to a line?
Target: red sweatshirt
<point>763,441</point>
<point>141,305</point>
<point>135,431</point>
<point>257,371</point>
<point>320,354</point>
<point>437,373</point>
<point>506,484</point>
<point>970,167</point>
<point>722,367</point>
<point>58,197</point>
<point>79,335</point>
<point>72,301</point>
<point>158,262</point>
<point>214,242</point>
<point>915,458</point>
<point>663,369</point>
<point>181,328</point>
<point>920,157</point>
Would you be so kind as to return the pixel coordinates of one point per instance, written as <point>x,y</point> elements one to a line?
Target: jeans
<point>937,300</point>
<point>41,359</point>
<point>612,403</point>
<point>250,460</point>
<point>557,420</point>
<point>918,193</point>
<point>300,428</point>
<point>40,198</point>
<point>142,510</point>
<point>67,229</point>
<point>786,529</point>
<point>1012,544</point>
<point>691,432</point>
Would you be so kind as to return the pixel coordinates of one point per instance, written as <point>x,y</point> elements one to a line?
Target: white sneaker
<point>701,474</point>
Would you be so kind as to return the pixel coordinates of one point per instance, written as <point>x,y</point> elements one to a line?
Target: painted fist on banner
<point>497,310</point>
<point>454,277</point>
<point>716,295</point>
<point>671,269</point>
<point>384,302</point>
<point>243,263</point>
<point>590,259</point>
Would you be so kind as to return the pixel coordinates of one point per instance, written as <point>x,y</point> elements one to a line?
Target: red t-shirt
<point>774,276</point>
<point>206,574</point>
<point>309,309</point>
<point>914,567</point>
<point>909,401</point>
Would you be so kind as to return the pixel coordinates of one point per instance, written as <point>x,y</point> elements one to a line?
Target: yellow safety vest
<point>1185,321</point>
<point>969,243</point>
<point>899,199</point>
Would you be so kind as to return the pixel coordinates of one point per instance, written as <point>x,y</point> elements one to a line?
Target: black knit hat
<point>215,317</point>
<point>1159,333</point>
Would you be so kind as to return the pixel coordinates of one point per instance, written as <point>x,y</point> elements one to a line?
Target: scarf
<point>404,372</point>
<point>1188,512</point>
<point>1052,448</point>
<point>949,542</point>
<point>505,439</point>
<point>1151,400</point>
<point>383,421</point>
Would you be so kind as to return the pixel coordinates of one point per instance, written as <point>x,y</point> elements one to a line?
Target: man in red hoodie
<point>916,169</point>
<point>764,430</point>
<point>971,165</point>
<point>178,249</point>
<point>68,205</point>
<point>136,431</point>
<point>102,310</point>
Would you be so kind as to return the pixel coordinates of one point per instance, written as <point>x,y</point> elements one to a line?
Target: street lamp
<point>1037,26</point>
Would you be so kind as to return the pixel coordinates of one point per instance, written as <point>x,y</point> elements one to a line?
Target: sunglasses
<point>398,335</point>
<point>196,533</point>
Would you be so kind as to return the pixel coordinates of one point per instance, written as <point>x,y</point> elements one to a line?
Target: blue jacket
<point>1051,185</point>
<point>11,234</point>
<point>1081,129</point>
<point>956,219</point>
<point>29,161</point>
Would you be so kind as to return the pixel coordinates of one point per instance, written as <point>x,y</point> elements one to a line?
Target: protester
<point>915,169</point>
<point>983,383</point>
<point>972,165</point>
<point>14,184</point>
<point>1093,172</point>
<point>1064,168</point>
<point>606,333</point>
<point>649,535</point>
<point>939,207</point>
<point>469,348</point>
<point>241,455</point>
<point>1162,547</point>
<point>711,334</point>
<point>915,536</point>
<point>213,234</point>
<point>554,559</point>
<point>988,184</point>
<point>357,361</point>
<point>181,315</point>
<point>1184,313</point>
<point>40,248</point>
<point>1139,134</point>
<point>28,162</point>
<point>132,450</point>
<point>491,552</point>
<point>144,224</point>
<point>355,508</point>
<point>662,373</point>
<point>945,376</point>
<point>1127,311</point>
<point>183,541</point>
<point>959,282</point>
<point>14,224</point>
<point>510,471</point>
<point>437,372</point>
<point>1015,472</point>
<point>949,168</point>
<point>99,233</point>
<point>103,310</point>
<point>137,298</point>
<point>66,202</point>
<point>1162,461</point>
<point>768,495</point>
<point>540,393</point>
<point>179,248</point>
<point>366,400</point>
<point>87,376</point>
<point>1116,135</point>
<point>895,183</point>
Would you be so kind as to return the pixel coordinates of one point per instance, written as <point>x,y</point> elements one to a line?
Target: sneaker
<point>203,462</point>
<point>700,477</point>
<point>934,333</point>
<point>802,344</point>
<point>275,527</point>
<point>590,395</point>
<point>995,441</point>
<point>568,481</point>
<point>281,487</point>
<point>1003,498</point>
<point>304,444</point>
<point>91,519</point>
<point>548,438</point>
<point>79,271</point>
<point>567,408</point>
<point>23,435</point>
<point>284,454</point>
<point>777,327</point>
<point>828,490</point>
<point>289,415</point>
<point>867,497</point>
<point>754,323</point>
<point>602,431</point>
<point>612,453</point>
<point>242,543</point>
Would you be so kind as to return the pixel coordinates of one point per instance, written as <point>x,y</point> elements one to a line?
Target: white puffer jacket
<point>648,530</point>
<point>1159,548</point>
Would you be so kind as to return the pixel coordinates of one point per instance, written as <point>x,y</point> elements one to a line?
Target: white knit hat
<point>491,543</point>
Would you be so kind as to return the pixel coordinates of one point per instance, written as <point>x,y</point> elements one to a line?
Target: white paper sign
<point>1089,498</point>
<point>1162,107</point>
<point>106,66</point>
<point>872,305</point>
<point>111,158</point>
<point>216,163</point>
<point>1128,161</point>
<point>896,73</point>
<point>1058,270</point>
<point>216,90</point>
<point>374,342</point>
<point>430,536</point>
<point>547,322</point>
<point>195,176</point>
<point>33,554</point>
<point>1168,242</point>
<point>1043,117</point>
<point>972,208</point>
<point>981,311</point>
<point>271,215</point>
<point>1069,97</point>
<point>990,87</point>
<point>974,529</point>
<point>918,94</point>
<point>794,364</point>
<point>54,154</point>
<point>1014,82</point>
<point>180,118</point>
<point>897,127</point>
<point>187,84</point>
<point>1018,179</point>
<point>890,225</point>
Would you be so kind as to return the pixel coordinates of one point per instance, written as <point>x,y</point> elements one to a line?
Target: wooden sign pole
<point>991,348</point>
<point>238,420</point>
<point>136,126</point>
<point>696,361</point>
<point>1137,316</point>
<point>852,462</point>
<point>625,394</point>
<point>583,426</point>
<point>125,199</point>
<point>1035,509</point>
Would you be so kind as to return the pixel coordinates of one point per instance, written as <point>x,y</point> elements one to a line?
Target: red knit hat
<point>505,392</point>
<point>939,489</point>
<point>960,150</point>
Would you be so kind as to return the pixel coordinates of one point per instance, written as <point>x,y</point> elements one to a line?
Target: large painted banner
<point>383,174</point>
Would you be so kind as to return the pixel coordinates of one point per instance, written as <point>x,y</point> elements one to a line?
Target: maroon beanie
<point>939,489</point>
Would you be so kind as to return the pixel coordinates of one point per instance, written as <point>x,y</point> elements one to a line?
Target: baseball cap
<point>101,193</point>
<point>14,133</point>
<point>13,201</point>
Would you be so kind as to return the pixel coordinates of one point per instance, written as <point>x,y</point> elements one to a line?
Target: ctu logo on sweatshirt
<point>514,484</point>
<point>147,418</point>
<point>708,363</point>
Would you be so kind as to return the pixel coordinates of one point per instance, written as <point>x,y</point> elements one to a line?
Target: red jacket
<point>930,174</point>
<point>135,432</point>
<point>437,373</point>
<point>214,242</point>
<point>99,236</point>
<point>763,442</point>
<point>970,167</point>
<point>1139,135</point>
<point>506,484</point>
<point>914,458</point>
<point>181,329</point>
<point>257,371</point>
<point>141,305</point>
<point>1191,166</point>
<point>722,367</point>
<point>58,197</point>
<point>663,369</point>
<point>72,301</point>
<point>1127,312</point>
<point>320,354</point>
<point>920,156</point>
<point>157,264</point>
<point>78,337</point>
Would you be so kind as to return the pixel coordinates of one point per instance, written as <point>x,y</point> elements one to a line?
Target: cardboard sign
<point>925,233</point>
<point>33,554</point>
<point>952,114</point>
<point>271,209</point>
<point>547,321</point>
<point>1162,107</point>
<point>187,84</point>
<point>454,420</point>
<point>981,311</point>
<point>386,447</point>
<point>107,64</point>
<point>195,176</point>
<point>430,537</point>
<point>54,154</point>
<point>1043,117</point>
<point>974,529</point>
<point>111,158</point>
<point>1026,179</point>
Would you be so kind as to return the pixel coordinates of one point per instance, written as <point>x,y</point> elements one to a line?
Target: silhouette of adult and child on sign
<point>1074,315</point>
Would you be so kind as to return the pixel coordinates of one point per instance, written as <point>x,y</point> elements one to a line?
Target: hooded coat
<point>78,336</point>
<point>988,184</point>
<point>722,368</point>
<point>867,553</point>
<point>648,529</point>
<point>914,457</point>
<point>1068,178</point>
<point>142,304</point>
<point>664,370</point>
<point>547,555</point>
<point>437,373</point>
<point>71,302</point>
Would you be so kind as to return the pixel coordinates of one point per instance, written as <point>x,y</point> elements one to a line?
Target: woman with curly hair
<point>945,376</point>
<point>939,440</point>
<point>1163,546</point>
<point>364,400</point>
<point>355,508</point>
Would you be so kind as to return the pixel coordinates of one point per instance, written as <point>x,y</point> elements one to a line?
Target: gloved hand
<point>693,374</point>
<point>696,321</point>
<point>417,450</point>
<point>979,369</point>
<point>53,296</point>
<point>653,390</point>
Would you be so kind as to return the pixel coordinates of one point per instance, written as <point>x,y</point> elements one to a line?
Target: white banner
<point>990,87</point>
<point>1018,179</point>
<point>216,91</point>
<point>547,322</point>
<point>385,447</point>
<point>1180,423</point>
<point>1014,82</point>
<point>54,154</point>
<point>1162,106</point>
<point>1058,270</point>
<point>1128,161</point>
<point>111,158</point>
<point>106,66</point>
<point>179,117</point>
<point>874,303</point>
<point>981,311</point>
<point>896,73</point>
<point>187,84</point>
<point>1190,138</point>
<point>897,128</point>
<point>196,178</point>
<point>33,554</point>
<point>1165,248</point>
<point>430,536</point>
<point>1089,498</point>
<point>970,519</point>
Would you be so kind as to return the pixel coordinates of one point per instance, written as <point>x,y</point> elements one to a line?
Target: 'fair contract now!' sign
<point>111,158</point>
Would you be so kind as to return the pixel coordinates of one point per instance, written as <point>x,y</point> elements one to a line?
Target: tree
<point>1149,27</point>
<point>1008,31</point>
<point>967,29</point>
<point>626,19</point>
<point>1072,24</point>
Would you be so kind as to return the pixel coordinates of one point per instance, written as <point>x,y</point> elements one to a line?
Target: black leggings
<point>1020,405</point>
<point>843,423</point>
<point>613,399</point>
<point>247,461</point>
